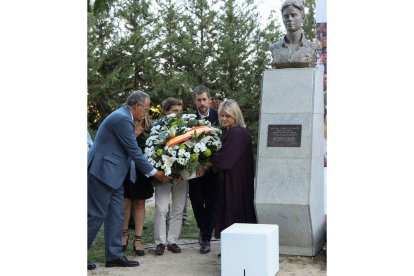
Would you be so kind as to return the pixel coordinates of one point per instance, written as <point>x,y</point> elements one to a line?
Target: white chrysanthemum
<point>152,161</point>
<point>203,147</point>
<point>149,151</point>
<point>218,144</point>
<point>154,133</point>
<point>196,150</point>
<point>189,116</point>
<point>171,151</point>
<point>182,161</point>
<point>181,152</point>
<point>156,127</point>
<point>200,146</point>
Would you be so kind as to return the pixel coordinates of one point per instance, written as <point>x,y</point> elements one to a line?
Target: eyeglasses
<point>147,109</point>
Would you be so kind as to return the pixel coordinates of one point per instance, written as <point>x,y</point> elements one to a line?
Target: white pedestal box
<point>250,250</point>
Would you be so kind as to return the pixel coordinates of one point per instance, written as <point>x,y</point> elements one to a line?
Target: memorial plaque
<point>284,135</point>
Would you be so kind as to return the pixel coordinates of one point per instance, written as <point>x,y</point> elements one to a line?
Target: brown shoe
<point>174,248</point>
<point>159,250</point>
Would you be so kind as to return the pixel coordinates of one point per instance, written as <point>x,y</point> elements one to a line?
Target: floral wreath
<point>181,142</point>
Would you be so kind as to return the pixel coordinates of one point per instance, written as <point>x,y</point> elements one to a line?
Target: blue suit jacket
<point>115,144</point>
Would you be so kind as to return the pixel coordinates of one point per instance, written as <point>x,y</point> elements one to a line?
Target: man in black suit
<point>204,190</point>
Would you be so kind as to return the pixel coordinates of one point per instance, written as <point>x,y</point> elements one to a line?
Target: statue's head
<point>296,3</point>
<point>293,14</point>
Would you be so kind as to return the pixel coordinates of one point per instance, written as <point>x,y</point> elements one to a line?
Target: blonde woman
<point>235,158</point>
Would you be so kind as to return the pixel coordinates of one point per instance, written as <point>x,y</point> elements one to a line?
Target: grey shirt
<point>295,56</point>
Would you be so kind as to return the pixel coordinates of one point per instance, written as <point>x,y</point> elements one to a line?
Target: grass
<point>97,252</point>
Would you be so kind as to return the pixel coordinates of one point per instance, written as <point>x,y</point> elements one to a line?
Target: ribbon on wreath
<point>184,137</point>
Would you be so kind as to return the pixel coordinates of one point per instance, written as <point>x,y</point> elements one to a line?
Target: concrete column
<point>290,175</point>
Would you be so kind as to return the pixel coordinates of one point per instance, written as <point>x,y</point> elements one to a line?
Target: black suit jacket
<point>212,116</point>
<point>209,176</point>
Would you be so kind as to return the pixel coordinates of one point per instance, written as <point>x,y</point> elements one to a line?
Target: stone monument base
<point>290,159</point>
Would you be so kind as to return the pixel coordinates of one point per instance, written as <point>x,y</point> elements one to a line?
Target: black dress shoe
<point>159,250</point>
<point>174,248</point>
<point>91,266</point>
<point>123,261</point>
<point>205,247</point>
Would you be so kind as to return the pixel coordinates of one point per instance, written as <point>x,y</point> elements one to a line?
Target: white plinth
<point>250,250</point>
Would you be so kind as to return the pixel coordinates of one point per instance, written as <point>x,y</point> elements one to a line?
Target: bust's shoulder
<point>309,44</point>
<point>276,45</point>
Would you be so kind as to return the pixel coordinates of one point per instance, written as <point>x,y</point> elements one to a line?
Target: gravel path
<point>191,263</point>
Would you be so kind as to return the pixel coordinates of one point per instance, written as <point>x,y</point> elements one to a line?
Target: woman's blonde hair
<point>145,123</point>
<point>232,108</point>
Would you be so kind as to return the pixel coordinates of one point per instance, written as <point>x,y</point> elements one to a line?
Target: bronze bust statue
<point>293,50</point>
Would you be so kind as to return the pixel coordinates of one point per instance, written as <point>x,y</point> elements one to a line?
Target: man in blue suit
<point>109,159</point>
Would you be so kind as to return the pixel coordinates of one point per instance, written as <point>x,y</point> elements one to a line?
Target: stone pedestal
<point>290,176</point>
<point>249,249</point>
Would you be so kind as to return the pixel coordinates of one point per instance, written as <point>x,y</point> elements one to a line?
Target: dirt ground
<point>191,263</point>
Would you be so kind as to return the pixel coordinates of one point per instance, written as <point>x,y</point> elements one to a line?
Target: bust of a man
<point>293,50</point>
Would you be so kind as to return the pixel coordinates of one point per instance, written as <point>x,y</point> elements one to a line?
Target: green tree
<point>170,47</point>
<point>235,48</point>
<point>309,25</point>
<point>103,59</point>
<point>138,33</point>
<point>200,51</point>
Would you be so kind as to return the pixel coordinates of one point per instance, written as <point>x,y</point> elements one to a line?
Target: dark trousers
<point>106,205</point>
<point>203,193</point>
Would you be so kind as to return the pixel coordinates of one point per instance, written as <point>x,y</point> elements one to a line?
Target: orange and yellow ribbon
<point>184,137</point>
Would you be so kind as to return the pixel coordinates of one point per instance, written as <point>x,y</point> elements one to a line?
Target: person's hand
<point>201,171</point>
<point>178,179</point>
<point>161,177</point>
